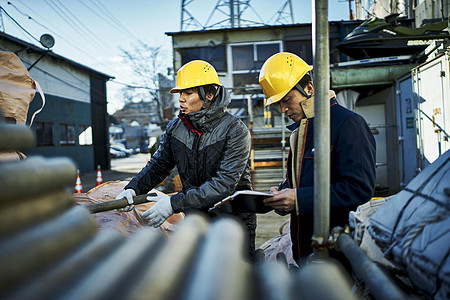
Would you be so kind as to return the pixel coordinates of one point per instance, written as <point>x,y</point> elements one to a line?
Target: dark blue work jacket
<point>352,173</point>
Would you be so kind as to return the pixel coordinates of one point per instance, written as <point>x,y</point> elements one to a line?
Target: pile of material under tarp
<point>125,222</point>
<point>413,229</point>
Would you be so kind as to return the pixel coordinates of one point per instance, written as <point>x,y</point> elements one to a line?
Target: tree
<point>147,63</point>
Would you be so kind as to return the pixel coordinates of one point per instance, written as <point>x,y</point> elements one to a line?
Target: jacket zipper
<point>196,158</point>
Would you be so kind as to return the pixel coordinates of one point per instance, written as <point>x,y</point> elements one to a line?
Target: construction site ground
<point>268,224</point>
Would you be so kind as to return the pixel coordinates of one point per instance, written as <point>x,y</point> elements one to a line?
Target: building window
<point>67,134</point>
<point>243,58</point>
<point>247,60</point>
<point>214,55</point>
<point>44,134</point>
<point>264,51</point>
<point>85,135</point>
<point>302,48</point>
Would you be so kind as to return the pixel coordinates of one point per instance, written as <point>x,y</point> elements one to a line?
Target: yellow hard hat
<point>195,73</point>
<point>280,73</point>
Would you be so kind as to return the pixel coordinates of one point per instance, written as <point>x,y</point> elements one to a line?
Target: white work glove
<point>129,194</point>
<point>158,213</point>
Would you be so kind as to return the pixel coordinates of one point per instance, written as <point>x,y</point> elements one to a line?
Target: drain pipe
<point>322,129</point>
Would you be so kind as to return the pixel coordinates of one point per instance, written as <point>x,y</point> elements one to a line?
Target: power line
<point>94,39</point>
<point>58,78</point>
<point>55,33</point>
<point>134,86</point>
<point>18,24</point>
<point>108,13</point>
<point>103,18</point>
<point>70,19</point>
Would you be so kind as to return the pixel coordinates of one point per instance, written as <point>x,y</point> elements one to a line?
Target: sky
<point>93,32</point>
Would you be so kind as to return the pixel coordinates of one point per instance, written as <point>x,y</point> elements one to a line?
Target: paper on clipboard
<point>246,201</point>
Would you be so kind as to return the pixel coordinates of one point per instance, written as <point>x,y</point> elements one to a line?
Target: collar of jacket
<point>186,121</point>
<point>205,119</point>
<point>308,108</point>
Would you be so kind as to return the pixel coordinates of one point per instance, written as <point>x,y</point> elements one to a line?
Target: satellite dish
<point>47,40</point>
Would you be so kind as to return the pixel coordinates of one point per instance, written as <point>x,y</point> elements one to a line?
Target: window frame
<point>207,59</point>
<point>44,144</point>
<point>233,72</point>
<point>67,141</point>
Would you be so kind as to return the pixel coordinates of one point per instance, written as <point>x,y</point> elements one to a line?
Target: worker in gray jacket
<point>209,146</point>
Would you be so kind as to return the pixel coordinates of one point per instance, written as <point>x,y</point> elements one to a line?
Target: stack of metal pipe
<point>51,249</point>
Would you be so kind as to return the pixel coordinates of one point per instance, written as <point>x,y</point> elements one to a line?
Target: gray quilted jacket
<point>211,149</point>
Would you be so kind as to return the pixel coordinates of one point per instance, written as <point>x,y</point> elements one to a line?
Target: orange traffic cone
<point>78,186</point>
<point>99,176</point>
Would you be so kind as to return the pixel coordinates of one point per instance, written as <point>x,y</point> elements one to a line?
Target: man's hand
<point>282,200</point>
<point>273,189</point>
<point>128,194</point>
<point>158,213</point>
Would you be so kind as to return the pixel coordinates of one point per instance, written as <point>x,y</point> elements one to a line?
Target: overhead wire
<point>114,21</point>
<point>58,78</point>
<point>88,33</point>
<point>134,86</point>
<point>95,36</point>
<point>59,10</point>
<point>107,11</point>
<point>108,14</point>
<point>20,26</point>
<point>104,18</point>
<point>118,21</point>
<point>45,72</point>
<point>55,33</point>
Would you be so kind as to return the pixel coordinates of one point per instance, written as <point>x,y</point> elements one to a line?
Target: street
<point>121,169</point>
<point>131,164</point>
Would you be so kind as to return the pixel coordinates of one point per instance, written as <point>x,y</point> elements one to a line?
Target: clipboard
<point>245,201</point>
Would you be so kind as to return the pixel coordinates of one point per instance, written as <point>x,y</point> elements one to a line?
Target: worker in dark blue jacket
<point>285,79</point>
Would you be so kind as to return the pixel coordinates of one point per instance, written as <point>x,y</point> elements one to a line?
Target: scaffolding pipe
<point>368,271</point>
<point>322,129</point>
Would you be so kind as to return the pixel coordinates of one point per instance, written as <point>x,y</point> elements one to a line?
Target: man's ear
<point>209,96</point>
<point>309,88</point>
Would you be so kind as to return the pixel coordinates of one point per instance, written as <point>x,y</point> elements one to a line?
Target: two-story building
<point>238,54</point>
<point>74,119</point>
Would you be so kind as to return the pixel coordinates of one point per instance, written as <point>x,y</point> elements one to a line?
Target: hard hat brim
<point>277,97</point>
<point>178,89</point>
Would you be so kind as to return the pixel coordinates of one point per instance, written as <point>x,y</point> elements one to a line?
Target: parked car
<point>116,153</point>
<point>121,147</point>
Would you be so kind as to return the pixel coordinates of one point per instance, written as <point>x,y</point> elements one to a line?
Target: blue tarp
<point>413,229</point>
